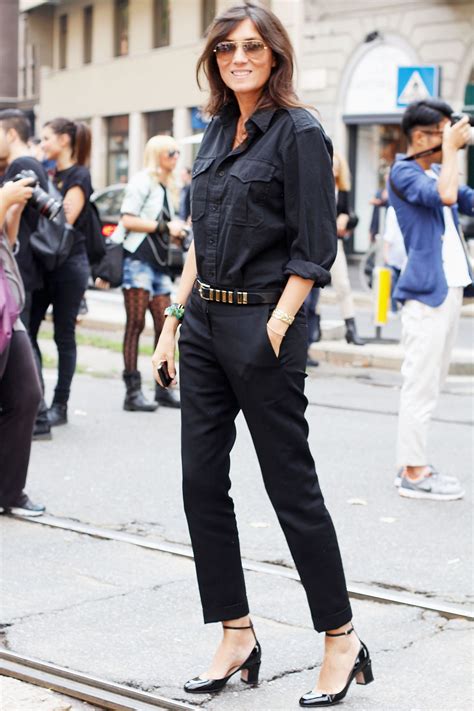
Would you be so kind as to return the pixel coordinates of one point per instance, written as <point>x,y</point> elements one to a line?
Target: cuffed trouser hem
<point>220,614</point>
<point>332,622</point>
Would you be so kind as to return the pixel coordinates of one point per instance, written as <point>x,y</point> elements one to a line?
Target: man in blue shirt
<point>425,192</point>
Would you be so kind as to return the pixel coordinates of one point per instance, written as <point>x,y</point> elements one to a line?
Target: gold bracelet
<point>282,335</point>
<point>283,316</point>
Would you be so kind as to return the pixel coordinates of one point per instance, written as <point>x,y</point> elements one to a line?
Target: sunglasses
<point>172,154</point>
<point>252,48</point>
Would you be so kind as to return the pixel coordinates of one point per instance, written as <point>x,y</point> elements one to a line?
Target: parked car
<point>108,202</point>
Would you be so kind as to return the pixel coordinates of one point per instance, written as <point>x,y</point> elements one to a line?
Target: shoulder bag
<point>52,240</point>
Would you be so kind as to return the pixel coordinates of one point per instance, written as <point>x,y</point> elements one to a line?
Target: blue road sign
<point>416,83</point>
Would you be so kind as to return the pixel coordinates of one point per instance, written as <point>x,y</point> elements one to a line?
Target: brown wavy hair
<point>279,90</point>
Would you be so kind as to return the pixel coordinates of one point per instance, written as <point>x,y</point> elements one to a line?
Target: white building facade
<point>127,67</point>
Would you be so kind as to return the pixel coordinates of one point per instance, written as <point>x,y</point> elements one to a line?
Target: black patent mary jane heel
<point>249,670</point>
<point>361,672</point>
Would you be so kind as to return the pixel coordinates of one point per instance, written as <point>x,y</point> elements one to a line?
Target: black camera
<point>457,117</point>
<point>40,200</point>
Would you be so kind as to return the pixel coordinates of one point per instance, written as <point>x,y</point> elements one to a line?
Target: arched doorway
<point>368,108</point>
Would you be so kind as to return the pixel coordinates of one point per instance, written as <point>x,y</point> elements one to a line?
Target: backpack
<point>92,229</point>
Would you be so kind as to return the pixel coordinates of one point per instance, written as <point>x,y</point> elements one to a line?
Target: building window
<point>88,21</point>
<point>159,122</point>
<point>117,149</point>
<point>62,41</point>
<point>121,28</point>
<point>161,23</point>
<point>208,13</point>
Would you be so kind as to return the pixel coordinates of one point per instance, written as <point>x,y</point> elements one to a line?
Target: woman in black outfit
<point>68,143</point>
<point>261,240</point>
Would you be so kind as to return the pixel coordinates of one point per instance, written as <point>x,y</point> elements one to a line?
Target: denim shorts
<point>140,275</point>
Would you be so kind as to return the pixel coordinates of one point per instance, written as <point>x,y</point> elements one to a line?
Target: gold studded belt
<point>235,296</point>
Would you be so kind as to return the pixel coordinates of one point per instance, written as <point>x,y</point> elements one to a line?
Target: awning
<point>27,5</point>
<point>371,119</point>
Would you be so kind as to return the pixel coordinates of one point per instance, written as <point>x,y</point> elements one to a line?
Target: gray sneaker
<point>433,486</point>
<point>398,477</point>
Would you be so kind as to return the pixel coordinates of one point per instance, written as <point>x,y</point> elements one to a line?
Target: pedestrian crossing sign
<point>417,83</point>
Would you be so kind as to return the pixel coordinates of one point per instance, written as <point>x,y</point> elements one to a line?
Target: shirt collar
<point>260,118</point>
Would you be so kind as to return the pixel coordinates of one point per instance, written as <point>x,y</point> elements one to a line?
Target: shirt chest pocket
<point>249,185</point>
<point>199,187</point>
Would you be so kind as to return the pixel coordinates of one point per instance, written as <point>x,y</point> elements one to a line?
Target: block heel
<point>250,675</point>
<point>366,675</point>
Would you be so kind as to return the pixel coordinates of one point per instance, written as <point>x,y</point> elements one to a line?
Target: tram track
<point>359,591</point>
<point>87,688</point>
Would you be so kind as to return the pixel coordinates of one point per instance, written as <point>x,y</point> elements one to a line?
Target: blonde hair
<point>155,146</point>
<point>343,179</point>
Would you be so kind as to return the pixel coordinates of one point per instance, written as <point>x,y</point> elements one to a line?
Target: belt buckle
<point>204,286</point>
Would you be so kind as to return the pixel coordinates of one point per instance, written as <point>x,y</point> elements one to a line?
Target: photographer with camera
<point>15,131</point>
<point>427,197</point>
<point>20,390</point>
<point>147,225</point>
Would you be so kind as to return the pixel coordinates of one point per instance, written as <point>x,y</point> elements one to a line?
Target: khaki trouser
<point>340,282</point>
<point>428,336</point>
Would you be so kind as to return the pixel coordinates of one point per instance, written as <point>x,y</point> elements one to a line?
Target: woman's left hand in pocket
<point>276,332</point>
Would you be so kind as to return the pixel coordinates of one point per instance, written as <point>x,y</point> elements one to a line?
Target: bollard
<point>382,289</point>
<point>382,283</point>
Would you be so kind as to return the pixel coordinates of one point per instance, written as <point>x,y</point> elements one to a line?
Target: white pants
<point>428,336</point>
<point>340,282</point>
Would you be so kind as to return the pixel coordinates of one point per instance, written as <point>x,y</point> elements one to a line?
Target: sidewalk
<point>106,313</point>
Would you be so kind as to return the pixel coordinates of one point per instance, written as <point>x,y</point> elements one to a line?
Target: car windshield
<point>110,202</point>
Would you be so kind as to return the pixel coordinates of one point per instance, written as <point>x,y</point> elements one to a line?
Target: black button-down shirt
<point>265,210</point>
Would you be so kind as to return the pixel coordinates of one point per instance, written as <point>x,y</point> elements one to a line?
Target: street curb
<point>375,355</point>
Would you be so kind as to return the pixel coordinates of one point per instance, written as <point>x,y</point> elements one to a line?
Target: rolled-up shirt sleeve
<point>310,206</point>
<point>411,184</point>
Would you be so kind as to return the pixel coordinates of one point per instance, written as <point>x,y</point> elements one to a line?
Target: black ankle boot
<point>135,401</point>
<point>166,398</point>
<point>351,333</point>
<point>57,414</point>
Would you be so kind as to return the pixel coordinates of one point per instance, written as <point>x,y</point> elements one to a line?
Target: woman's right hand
<point>176,228</point>
<point>165,349</point>
<point>101,283</point>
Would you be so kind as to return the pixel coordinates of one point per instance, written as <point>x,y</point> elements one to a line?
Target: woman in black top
<point>68,143</point>
<point>263,211</point>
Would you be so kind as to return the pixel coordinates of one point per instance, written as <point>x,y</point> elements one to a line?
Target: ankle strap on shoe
<point>340,634</point>
<point>246,627</point>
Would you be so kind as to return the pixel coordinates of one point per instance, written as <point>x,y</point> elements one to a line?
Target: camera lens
<point>45,204</point>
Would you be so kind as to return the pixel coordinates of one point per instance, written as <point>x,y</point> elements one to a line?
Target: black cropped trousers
<point>227,364</point>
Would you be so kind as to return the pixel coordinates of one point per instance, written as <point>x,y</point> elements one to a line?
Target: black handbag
<point>166,252</point>
<point>52,241</point>
<point>110,267</point>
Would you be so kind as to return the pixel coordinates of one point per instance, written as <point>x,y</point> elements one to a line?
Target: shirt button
<point>221,173</point>
<point>211,241</point>
<point>214,208</point>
